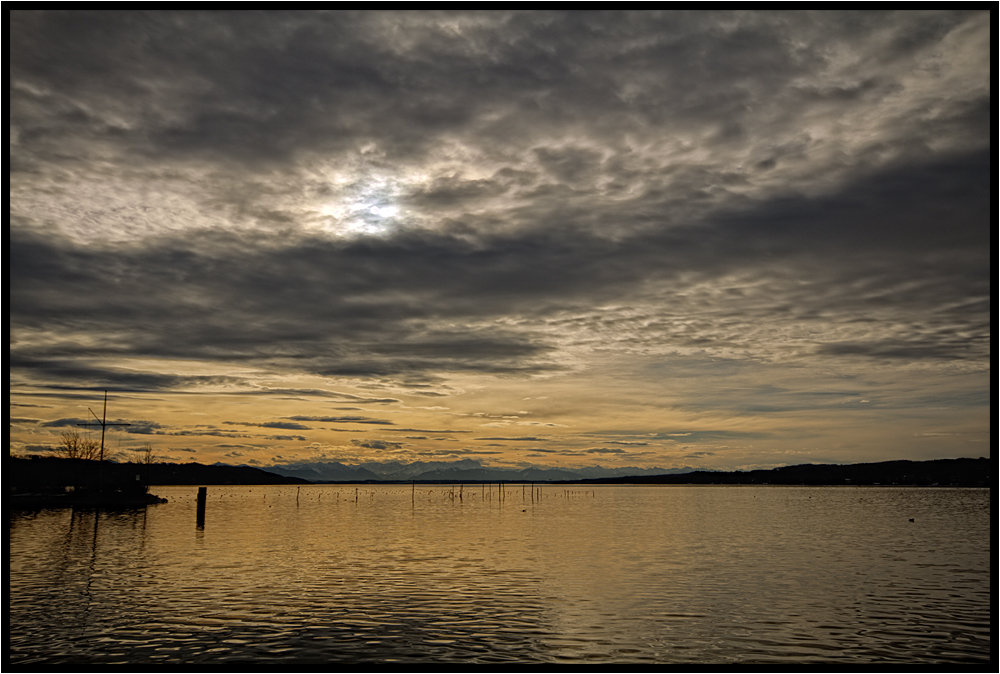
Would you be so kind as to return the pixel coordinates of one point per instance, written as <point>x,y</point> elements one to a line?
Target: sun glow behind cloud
<point>360,202</point>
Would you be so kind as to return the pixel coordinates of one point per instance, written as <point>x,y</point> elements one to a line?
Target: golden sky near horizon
<point>557,239</point>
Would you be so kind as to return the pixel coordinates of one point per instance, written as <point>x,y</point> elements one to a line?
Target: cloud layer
<point>386,208</point>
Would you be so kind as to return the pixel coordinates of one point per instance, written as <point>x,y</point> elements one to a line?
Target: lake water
<point>574,574</point>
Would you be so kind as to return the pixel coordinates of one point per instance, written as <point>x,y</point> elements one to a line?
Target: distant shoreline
<point>51,473</point>
<point>933,473</point>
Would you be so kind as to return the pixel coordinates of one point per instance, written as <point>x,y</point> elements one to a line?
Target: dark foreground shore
<point>51,482</point>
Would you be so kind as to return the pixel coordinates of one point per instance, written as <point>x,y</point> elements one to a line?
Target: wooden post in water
<point>202,497</point>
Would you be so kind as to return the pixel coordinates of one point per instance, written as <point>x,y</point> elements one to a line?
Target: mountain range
<point>470,470</point>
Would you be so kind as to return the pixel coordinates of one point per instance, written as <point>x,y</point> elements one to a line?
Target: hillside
<point>942,472</point>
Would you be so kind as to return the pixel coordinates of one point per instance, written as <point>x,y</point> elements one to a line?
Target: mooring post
<point>202,497</point>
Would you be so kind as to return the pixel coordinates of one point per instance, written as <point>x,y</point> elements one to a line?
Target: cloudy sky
<point>629,239</point>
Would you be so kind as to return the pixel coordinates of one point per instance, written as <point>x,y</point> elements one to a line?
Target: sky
<point>695,239</point>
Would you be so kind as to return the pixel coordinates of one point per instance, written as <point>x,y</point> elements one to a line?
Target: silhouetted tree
<point>143,455</point>
<point>73,446</point>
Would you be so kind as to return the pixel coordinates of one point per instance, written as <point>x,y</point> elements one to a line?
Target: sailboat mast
<point>104,425</point>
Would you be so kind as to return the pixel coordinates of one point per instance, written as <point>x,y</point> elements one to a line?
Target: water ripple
<point>626,575</point>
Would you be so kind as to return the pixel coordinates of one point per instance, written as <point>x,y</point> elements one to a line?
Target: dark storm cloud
<point>255,90</point>
<point>343,420</point>
<point>143,427</point>
<point>557,107</point>
<point>903,210</point>
<point>420,430</point>
<point>222,306</point>
<point>271,424</point>
<point>682,436</point>
<point>378,444</point>
<point>134,426</point>
<point>890,246</point>
<point>57,423</point>
<point>61,363</point>
<point>208,433</point>
<point>465,451</point>
<point>261,87</point>
<point>322,393</point>
<point>935,348</point>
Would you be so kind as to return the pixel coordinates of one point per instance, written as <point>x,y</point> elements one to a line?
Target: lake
<point>555,574</point>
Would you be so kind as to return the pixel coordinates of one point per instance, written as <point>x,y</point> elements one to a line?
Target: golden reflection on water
<point>362,573</point>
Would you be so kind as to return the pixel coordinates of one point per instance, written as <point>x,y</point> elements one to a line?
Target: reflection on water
<point>641,574</point>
